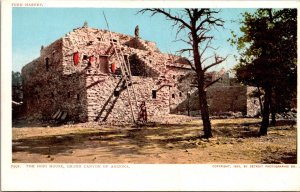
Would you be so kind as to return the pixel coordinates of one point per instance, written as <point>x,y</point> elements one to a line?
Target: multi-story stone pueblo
<point>98,75</point>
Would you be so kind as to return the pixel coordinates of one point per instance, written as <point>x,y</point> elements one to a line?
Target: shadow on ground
<point>136,140</point>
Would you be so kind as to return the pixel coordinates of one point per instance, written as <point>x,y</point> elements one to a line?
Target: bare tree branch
<point>185,41</point>
<point>207,58</point>
<point>177,19</point>
<point>189,13</point>
<point>181,51</point>
<point>218,60</point>
<point>213,82</point>
<point>205,48</point>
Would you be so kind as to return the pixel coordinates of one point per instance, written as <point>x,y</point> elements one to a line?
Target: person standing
<point>143,112</point>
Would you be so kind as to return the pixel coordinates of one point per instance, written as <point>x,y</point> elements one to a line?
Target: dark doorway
<point>47,64</point>
<point>103,64</point>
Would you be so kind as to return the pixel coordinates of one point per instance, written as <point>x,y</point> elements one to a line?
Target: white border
<point>137,177</point>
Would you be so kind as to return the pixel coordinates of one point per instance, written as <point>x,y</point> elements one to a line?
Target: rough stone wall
<point>158,72</point>
<point>178,92</point>
<point>105,104</point>
<point>47,89</point>
<point>253,107</point>
<point>227,98</point>
<point>86,89</point>
<point>223,99</point>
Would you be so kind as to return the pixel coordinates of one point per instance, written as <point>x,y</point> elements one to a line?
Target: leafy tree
<point>16,86</point>
<point>16,79</point>
<point>268,58</point>
<point>197,23</point>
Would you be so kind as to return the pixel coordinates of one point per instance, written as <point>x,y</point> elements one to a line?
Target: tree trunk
<point>266,112</point>
<point>259,99</point>
<point>273,115</point>
<point>201,91</point>
<point>188,105</point>
<point>204,111</point>
<point>273,111</point>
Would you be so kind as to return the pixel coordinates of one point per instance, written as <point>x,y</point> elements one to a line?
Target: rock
<point>213,139</point>
<point>169,145</point>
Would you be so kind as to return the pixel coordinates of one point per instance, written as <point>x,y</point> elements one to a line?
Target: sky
<point>34,27</point>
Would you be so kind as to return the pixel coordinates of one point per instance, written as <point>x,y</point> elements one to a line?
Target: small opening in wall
<point>173,96</point>
<point>153,94</point>
<point>47,63</point>
<point>85,57</point>
<point>78,96</point>
<point>114,40</point>
<point>174,76</point>
<point>90,43</point>
<point>69,94</point>
<point>52,94</point>
<point>116,93</point>
<point>126,58</point>
<point>180,94</point>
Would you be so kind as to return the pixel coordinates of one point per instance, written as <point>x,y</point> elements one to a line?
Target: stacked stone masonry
<point>75,75</point>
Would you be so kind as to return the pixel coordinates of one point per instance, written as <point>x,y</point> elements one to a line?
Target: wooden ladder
<point>125,71</point>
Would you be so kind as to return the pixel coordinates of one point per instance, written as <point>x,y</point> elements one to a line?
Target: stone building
<point>78,78</point>
<point>224,96</point>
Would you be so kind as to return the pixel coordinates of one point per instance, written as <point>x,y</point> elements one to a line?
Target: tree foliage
<point>268,59</point>
<point>16,79</point>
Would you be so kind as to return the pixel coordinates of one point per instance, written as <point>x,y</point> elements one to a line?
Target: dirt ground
<point>168,140</point>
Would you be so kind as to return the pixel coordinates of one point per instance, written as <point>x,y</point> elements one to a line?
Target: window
<point>47,63</point>
<point>90,43</point>
<point>153,94</point>
<point>116,93</point>
<point>85,57</point>
<point>103,64</point>
<point>114,40</point>
<point>173,96</point>
<point>76,58</point>
<point>180,94</point>
<point>126,58</point>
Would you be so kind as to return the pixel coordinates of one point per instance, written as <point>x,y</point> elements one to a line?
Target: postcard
<point>149,95</point>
